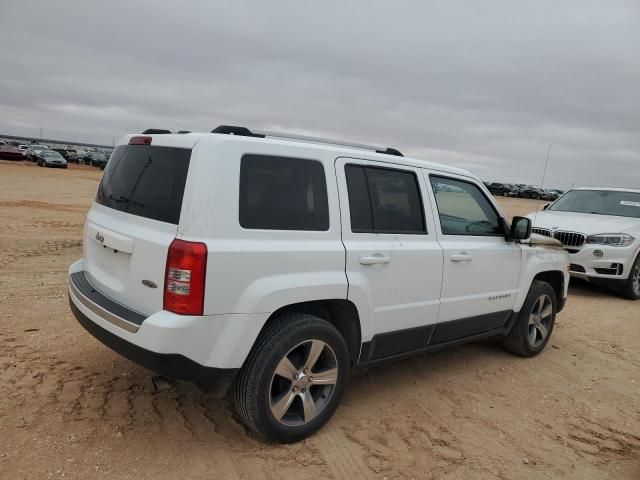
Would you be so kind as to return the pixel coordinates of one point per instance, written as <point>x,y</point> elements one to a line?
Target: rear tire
<point>276,394</point>
<point>534,325</point>
<point>631,288</point>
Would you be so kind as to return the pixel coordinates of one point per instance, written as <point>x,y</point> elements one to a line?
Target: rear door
<point>394,262</point>
<point>132,222</point>
<point>481,269</point>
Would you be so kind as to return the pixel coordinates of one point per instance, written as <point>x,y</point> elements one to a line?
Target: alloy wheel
<point>636,279</point>
<point>540,320</point>
<point>303,383</point>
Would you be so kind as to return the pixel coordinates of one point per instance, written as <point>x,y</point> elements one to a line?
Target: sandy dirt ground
<point>71,408</point>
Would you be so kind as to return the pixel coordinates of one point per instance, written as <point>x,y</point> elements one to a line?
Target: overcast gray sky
<point>483,85</point>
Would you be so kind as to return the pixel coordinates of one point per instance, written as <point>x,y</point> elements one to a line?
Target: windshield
<point>49,153</point>
<point>601,202</point>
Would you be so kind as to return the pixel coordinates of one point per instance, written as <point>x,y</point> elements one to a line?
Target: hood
<point>586,223</point>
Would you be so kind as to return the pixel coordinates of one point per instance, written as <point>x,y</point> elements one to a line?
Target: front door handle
<point>461,257</point>
<point>375,259</point>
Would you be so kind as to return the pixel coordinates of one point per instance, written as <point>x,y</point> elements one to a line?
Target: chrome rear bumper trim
<point>101,312</point>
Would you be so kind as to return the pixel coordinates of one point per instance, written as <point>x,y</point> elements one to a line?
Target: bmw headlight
<point>611,239</point>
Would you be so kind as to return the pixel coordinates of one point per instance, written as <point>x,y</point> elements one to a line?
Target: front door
<point>481,269</point>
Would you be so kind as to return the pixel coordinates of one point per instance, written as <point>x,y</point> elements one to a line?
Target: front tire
<point>294,378</point>
<point>631,288</point>
<point>535,322</point>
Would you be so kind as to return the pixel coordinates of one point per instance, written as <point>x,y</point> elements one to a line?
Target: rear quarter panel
<point>253,270</point>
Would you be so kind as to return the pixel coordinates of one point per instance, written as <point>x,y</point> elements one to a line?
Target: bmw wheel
<point>631,288</point>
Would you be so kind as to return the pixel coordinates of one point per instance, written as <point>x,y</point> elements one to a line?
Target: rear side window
<point>283,193</point>
<point>384,200</point>
<point>146,181</point>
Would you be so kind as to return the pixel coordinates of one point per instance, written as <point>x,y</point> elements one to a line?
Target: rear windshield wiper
<point>123,199</point>
<point>118,198</point>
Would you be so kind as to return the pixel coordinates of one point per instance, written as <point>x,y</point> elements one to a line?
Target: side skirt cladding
<point>414,341</point>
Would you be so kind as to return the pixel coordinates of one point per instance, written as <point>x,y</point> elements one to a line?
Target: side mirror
<point>520,228</point>
<point>546,206</point>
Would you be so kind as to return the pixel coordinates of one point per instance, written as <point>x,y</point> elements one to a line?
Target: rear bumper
<point>207,350</point>
<point>212,380</point>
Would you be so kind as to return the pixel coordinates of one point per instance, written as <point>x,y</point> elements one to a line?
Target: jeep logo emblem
<point>149,283</point>
<point>99,237</point>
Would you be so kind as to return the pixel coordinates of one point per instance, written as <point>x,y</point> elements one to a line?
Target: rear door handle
<point>375,259</point>
<point>461,257</point>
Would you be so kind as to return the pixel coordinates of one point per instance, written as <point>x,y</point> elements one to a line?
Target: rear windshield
<point>146,181</point>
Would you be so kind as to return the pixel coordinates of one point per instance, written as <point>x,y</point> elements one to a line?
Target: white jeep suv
<point>600,228</point>
<point>272,266</point>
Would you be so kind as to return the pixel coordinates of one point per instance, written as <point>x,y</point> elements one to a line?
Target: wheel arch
<point>555,278</point>
<point>340,313</point>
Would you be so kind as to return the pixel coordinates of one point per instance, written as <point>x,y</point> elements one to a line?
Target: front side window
<point>383,200</point>
<point>283,193</point>
<point>463,208</point>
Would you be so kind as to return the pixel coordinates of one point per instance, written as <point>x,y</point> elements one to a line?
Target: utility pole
<point>40,133</point>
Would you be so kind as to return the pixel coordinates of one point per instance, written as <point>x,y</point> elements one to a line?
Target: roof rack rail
<point>233,130</point>
<point>184,131</point>
<point>244,131</point>
<point>155,131</point>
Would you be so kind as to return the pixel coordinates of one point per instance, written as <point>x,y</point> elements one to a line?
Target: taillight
<point>185,277</point>
<point>140,141</point>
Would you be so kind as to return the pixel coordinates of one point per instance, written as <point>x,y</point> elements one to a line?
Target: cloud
<point>481,85</point>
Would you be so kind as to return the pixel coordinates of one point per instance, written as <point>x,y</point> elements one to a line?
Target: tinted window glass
<point>146,181</point>
<point>384,200</point>
<point>359,206</point>
<point>281,193</point>
<point>463,208</point>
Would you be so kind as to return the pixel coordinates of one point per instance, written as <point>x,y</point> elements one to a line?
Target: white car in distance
<point>600,228</point>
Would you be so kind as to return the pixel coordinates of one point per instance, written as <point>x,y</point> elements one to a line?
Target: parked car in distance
<point>528,191</point>
<point>326,257</point>
<point>600,228</point>
<point>510,190</point>
<point>549,194</point>
<point>75,157</point>
<point>23,148</point>
<point>9,152</point>
<point>65,152</point>
<point>34,150</point>
<point>96,159</point>
<point>50,158</point>
<point>497,188</point>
